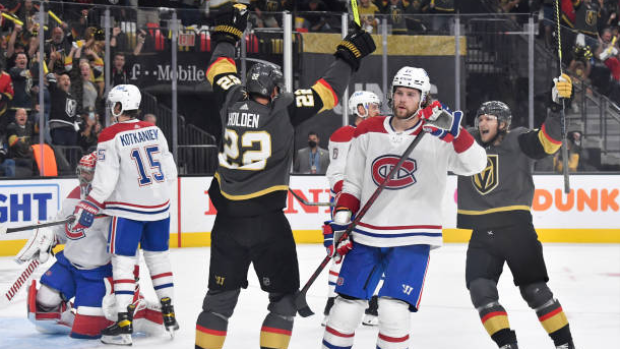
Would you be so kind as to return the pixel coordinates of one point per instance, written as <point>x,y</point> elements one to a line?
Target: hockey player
<point>250,186</point>
<point>362,105</point>
<point>395,236</point>
<point>496,205</point>
<point>131,184</point>
<point>82,271</point>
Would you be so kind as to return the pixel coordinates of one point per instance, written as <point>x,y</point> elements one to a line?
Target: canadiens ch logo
<point>382,166</point>
<point>488,179</point>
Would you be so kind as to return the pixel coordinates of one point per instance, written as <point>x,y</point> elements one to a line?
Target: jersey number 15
<point>146,176</point>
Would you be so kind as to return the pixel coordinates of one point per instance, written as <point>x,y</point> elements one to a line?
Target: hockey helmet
<point>128,96</point>
<point>364,98</point>
<point>262,78</point>
<point>411,77</point>
<point>86,168</point>
<point>498,109</point>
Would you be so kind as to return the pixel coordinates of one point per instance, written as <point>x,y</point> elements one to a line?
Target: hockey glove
<point>354,47</point>
<point>446,126</point>
<point>38,246</point>
<point>332,232</point>
<point>84,213</point>
<point>231,19</point>
<point>562,88</point>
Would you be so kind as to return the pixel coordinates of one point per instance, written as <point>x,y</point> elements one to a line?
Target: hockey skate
<point>371,317</point>
<point>170,320</point>
<point>120,332</point>
<point>328,308</point>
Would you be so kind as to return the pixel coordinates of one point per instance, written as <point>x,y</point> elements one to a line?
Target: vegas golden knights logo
<point>591,17</point>
<point>488,179</point>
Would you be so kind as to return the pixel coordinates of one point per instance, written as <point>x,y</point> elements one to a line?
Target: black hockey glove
<point>355,47</point>
<point>231,19</point>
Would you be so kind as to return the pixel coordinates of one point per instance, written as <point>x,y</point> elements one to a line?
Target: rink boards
<point>589,214</point>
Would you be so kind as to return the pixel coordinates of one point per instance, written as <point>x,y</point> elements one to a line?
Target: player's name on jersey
<point>243,119</point>
<point>138,136</point>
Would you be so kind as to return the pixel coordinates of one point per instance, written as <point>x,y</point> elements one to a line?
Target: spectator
<point>586,17</point>
<point>89,131</point>
<point>21,76</point>
<point>150,118</point>
<point>20,134</point>
<point>58,45</point>
<point>367,11</point>
<point>607,52</point>
<point>63,124</point>
<point>312,159</point>
<point>395,11</point>
<point>121,63</point>
<point>441,8</point>
<point>6,95</point>
<point>90,93</point>
<point>415,22</point>
<point>263,16</point>
<point>315,21</point>
<point>573,140</point>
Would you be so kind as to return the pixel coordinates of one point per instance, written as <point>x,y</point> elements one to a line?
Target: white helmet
<point>365,98</point>
<point>411,77</point>
<point>127,95</point>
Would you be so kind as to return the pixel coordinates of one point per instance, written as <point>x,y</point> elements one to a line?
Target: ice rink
<point>584,277</point>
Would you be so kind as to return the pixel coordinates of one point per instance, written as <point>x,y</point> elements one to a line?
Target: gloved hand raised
<point>231,19</point>
<point>562,89</point>
<point>354,47</point>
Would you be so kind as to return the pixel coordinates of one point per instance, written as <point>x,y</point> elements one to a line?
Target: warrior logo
<point>382,166</point>
<point>488,179</point>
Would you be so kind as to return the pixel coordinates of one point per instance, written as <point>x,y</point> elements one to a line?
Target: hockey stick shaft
<point>562,115</point>
<point>36,226</point>
<point>308,203</point>
<point>356,14</point>
<point>300,299</point>
<point>10,294</point>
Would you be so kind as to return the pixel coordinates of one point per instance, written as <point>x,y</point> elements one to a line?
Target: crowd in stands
<point>74,51</point>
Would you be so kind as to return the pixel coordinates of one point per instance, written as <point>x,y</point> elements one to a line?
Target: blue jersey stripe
<point>137,211</point>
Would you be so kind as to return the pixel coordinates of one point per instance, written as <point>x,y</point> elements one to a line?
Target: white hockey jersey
<point>87,251</point>
<point>339,144</point>
<point>408,211</point>
<point>134,171</point>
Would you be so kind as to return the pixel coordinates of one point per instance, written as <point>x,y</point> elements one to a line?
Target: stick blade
<point>302,305</point>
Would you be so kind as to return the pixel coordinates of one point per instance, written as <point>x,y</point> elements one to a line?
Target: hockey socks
<point>344,318</point>
<point>554,321</point>
<point>276,332</point>
<point>495,320</point>
<point>210,330</point>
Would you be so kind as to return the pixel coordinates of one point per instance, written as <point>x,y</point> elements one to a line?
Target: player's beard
<point>404,113</point>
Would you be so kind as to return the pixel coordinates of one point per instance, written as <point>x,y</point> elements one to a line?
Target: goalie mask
<point>415,78</point>
<point>128,96</point>
<point>86,169</point>
<point>263,78</point>
<point>365,100</point>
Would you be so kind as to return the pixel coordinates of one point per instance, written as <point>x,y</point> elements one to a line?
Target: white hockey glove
<point>562,88</point>
<point>38,246</point>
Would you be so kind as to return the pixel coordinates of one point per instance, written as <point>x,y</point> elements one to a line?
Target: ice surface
<point>584,277</point>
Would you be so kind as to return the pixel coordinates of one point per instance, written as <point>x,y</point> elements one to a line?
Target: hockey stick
<point>356,14</point>
<point>300,299</point>
<point>5,230</point>
<point>10,294</point>
<point>308,203</point>
<point>562,115</point>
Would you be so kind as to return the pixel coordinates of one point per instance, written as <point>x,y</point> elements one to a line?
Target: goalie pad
<point>59,320</point>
